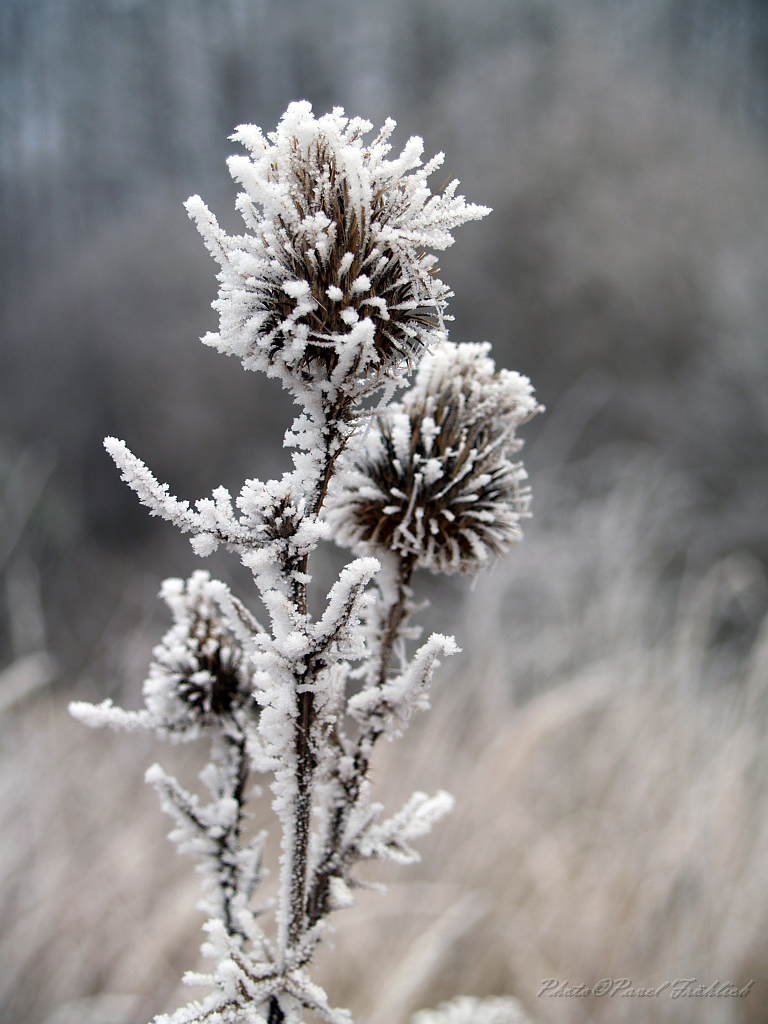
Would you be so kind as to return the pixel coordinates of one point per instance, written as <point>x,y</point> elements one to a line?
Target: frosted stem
<point>306,761</point>
<point>317,902</point>
<point>397,615</point>
<point>229,844</point>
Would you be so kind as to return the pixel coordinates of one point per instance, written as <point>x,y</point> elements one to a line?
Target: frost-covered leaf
<point>395,701</point>
<point>391,840</point>
<point>336,627</point>
<point>214,521</point>
<point>96,716</point>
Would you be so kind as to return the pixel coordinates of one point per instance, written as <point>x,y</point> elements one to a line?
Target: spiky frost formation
<point>434,481</point>
<point>332,286</point>
<point>201,674</point>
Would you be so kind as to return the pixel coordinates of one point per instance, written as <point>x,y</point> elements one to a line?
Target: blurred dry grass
<point>612,824</point>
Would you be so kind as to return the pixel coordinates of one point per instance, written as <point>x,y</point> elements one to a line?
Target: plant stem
<point>230,841</point>
<point>305,767</point>
<point>397,615</point>
<point>317,902</point>
<point>306,761</point>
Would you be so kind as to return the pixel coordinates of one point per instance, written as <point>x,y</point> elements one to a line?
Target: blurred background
<point>604,730</point>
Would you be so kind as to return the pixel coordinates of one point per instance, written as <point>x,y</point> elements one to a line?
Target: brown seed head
<point>436,483</point>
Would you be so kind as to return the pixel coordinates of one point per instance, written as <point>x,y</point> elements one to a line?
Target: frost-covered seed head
<point>435,482</point>
<point>332,287</point>
<point>199,675</point>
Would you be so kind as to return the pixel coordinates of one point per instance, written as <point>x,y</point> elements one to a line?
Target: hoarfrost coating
<point>435,482</point>
<point>331,291</point>
<point>331,287</point>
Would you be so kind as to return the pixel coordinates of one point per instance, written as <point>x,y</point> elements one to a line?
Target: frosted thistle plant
<point>332,289</point>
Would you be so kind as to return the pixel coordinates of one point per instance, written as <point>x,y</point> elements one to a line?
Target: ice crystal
<point>434,481</point>
<point>331,287</point>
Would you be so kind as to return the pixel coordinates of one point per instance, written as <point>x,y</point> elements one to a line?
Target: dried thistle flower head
<point>434,481</point>
<point>201,675</point>
<point>331,287</point>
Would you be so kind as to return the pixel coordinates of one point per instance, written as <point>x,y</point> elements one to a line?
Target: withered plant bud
<point>332,288</point>
<point>435,481</point>
<point>199,675</point>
